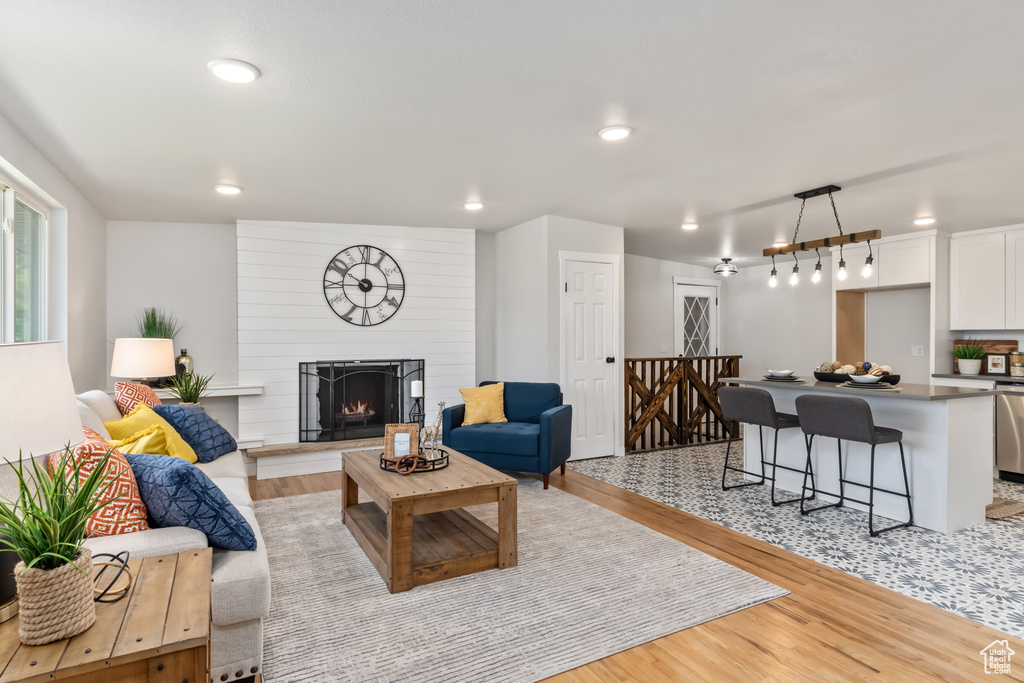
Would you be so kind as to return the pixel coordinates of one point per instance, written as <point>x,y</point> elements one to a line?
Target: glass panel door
<point>696,320</point>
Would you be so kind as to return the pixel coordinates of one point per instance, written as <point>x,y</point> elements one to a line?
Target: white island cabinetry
<point>947,434</point>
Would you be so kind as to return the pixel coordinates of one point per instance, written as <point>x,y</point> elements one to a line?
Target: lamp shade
<point>38,412</point>
<point>142,358</point>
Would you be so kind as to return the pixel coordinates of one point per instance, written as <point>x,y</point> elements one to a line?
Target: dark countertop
<point>999,379</point>
<point>914,392</point>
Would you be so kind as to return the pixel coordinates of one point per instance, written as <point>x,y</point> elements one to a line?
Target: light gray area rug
<point>589,584</point>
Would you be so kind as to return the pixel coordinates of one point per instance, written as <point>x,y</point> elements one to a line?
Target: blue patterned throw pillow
<point>207,438</point>
<point>177,493</point>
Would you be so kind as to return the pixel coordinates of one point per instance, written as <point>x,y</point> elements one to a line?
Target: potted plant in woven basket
<point>189,387</point>
<point>46,528</point>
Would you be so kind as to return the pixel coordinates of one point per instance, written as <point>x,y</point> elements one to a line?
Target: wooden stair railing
<point>673,402</point>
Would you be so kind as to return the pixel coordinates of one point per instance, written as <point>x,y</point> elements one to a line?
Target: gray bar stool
<point>850,418</point>
<point>755,406</point>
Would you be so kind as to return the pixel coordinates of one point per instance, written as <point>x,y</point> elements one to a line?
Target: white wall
<point>197,284</point>
<point>77,284</point>
<point>521,303</point>
<point>895,320</point>
<point>785,328</point>
<point>485,307</point>
<point>283,318</point>
<point>650,331</point>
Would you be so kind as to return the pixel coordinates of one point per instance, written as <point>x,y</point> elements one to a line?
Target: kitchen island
<point>947,434</point>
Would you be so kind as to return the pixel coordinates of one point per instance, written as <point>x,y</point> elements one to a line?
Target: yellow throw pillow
<point>142,417</point>
<point>151,440</point>
<point>484,404</point>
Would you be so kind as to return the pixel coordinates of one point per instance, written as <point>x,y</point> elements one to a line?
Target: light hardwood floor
<point>831,627</point>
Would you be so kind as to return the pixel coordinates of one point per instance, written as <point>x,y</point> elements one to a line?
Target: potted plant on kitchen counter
<point>969,354</point>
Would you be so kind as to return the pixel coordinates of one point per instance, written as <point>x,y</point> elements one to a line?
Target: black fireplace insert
<point>355,399</point>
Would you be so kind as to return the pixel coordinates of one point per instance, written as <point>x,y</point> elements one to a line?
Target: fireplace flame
<point>358,408</point>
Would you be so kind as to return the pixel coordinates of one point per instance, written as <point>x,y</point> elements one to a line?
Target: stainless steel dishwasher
<point>1010,432</point>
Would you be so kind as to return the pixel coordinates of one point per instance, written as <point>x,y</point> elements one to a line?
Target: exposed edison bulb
<point>773,281</point>
<point>841,274</point>
<point>795,277</point>
<point>866,270</point>
<point>816,275</point>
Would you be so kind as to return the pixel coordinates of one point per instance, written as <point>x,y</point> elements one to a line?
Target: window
<point>22,267</point>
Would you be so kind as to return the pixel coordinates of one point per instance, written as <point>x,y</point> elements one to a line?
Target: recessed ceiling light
<point>473,206</point>
<point>228,189</point>
<point>233,70</point>
<point>614,132</point>
<point>690,226</point>
<point>924,221</point>
<point>779,244</point>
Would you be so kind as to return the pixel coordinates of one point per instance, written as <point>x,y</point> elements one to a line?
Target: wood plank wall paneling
<point>283,318</point>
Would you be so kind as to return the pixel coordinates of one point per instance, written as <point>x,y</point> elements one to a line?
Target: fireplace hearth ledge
<point>310,457</point>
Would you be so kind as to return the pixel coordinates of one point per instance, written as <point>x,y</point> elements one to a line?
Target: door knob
<point>609,359</point>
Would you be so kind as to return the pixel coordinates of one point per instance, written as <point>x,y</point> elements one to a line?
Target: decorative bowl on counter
<point>839,378</point>
<point>865,379</point>
<point>780,373</point>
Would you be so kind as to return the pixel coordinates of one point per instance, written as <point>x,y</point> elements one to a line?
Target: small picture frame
<point>997,364</point>
<point>401,440</point>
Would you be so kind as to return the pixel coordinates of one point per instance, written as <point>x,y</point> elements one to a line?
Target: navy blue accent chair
<point>536,438</point>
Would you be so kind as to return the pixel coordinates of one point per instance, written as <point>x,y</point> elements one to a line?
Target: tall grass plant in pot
<point>969,355</point>
<point>45,526</point>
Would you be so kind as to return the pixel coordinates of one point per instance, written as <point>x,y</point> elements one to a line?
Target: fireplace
<point>355,399</point>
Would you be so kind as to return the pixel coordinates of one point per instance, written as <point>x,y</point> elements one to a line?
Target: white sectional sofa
<point>241,579</point>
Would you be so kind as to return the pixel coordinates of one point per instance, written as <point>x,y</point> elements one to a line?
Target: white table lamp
<point>38,413</point>
<point>38,416</point>
<point>142,358</point>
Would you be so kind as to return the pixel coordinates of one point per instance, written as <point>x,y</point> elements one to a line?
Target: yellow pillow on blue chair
<point>140,419</point>
<point>485,404</point>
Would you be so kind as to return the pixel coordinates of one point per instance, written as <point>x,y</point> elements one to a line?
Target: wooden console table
<point>158,634</point>
<point>414,530</point>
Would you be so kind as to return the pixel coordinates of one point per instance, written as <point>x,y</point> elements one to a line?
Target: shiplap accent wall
<point>283,318</point>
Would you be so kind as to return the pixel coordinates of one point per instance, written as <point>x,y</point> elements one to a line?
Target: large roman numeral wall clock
<point>364,285</point>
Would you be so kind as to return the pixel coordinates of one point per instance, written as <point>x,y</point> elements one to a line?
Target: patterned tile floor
<point>974,572</point>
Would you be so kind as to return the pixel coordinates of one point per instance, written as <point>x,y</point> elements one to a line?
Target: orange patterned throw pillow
<point>127,395</point>
<point>125,514</point>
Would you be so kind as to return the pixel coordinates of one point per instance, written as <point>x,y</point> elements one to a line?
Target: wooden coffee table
<point>160,633</point>
<point>414,529</point>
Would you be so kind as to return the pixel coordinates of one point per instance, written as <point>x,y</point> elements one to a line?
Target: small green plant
<point>970,349</point>
<point>46,525</point>
<point>189,387</point>
<point>155,323</point>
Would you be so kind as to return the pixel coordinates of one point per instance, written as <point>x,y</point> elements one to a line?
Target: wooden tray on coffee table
<point>414,529</point>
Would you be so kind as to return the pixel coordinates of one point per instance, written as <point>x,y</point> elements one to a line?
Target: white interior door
<point>589,361</point>
<point>696,320</point>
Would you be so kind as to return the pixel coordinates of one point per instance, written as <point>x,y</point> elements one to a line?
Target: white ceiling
<point>398,112</point>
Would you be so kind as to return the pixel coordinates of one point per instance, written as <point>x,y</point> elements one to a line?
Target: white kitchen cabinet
<point>1015,279</point>
<point>904,262</point>
<point>855,256</point>
<point>977,282</point>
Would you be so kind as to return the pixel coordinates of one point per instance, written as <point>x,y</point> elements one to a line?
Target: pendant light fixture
<point>726,268</point>
<point>773,281</point>
<point>836,241</point>
<point>794,279</point>
<point>866,272</point>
